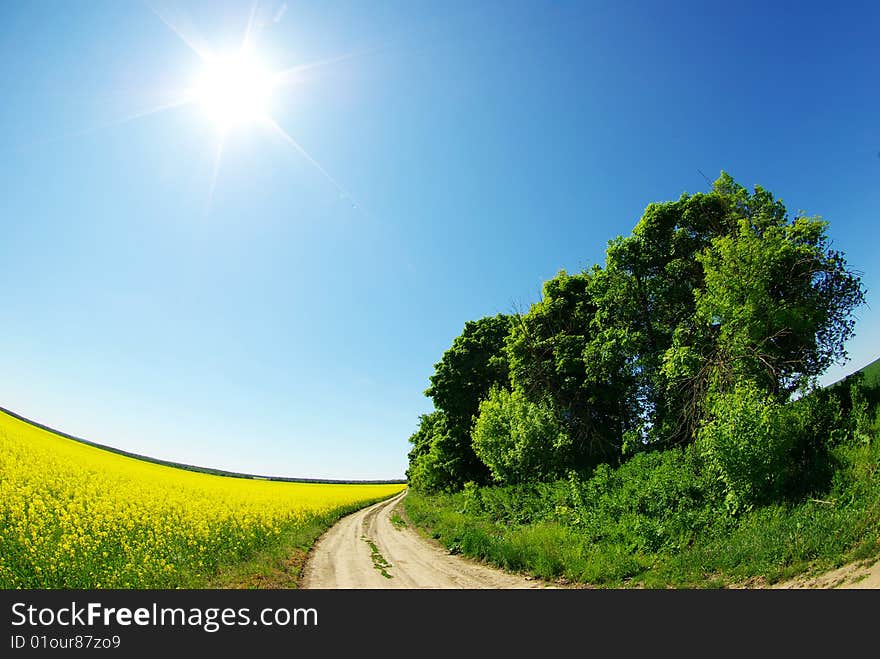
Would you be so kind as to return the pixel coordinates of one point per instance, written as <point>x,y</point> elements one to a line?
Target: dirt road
<point>368,550</point>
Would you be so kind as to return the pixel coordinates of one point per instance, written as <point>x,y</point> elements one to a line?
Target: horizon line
<point>195,468</point>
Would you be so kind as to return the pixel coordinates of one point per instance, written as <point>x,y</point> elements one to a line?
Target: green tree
<point>519,440</point>
<point>761,449</point>
<point>551,364</point>
<point>715,304</point>
<point>645,295</point>
<point>431,467</point>
<point>463,377</point>
<point>717,287</point>
<point>775,307</point>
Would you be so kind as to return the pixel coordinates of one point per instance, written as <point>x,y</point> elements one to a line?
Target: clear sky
<point>278,309</point>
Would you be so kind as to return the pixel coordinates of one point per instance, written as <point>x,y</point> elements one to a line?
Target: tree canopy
<point>713,294</point>
<point>443,456</point>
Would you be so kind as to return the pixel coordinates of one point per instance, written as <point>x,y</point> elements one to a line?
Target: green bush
<point>763,450</point>
<point>660,519</point>
<point>517,439</point>
<point>657,500</point>
<point>427,473</point>
<point>428,465</point>
<point>438,459</point>
<point>522,503</point>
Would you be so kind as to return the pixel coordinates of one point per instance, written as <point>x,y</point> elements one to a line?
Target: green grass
<point>869,379</point>
<point>279,565</point>
<point>398,521</point>
<point>652,528</point>
<point>379,561</point>
<point>872,374</point>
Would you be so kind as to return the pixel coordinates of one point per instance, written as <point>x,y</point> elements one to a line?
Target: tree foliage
<point>443,456</point>
<point>717,287</point>
<point>519,440</point>
<point>474,363</point>
<point>432,467</point>
<point>717,307</point>
<point>553,362</point>
<point>763,450</point>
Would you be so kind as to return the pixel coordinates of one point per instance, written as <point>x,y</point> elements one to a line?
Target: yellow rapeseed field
<point>76,516</point>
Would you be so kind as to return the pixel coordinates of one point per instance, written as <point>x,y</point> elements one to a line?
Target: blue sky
<point>275,316</point>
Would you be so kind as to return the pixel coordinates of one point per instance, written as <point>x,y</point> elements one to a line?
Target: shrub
<point>438,460</point>
<point>517,439</point>
<point>763,450</point>
<point>658,499</point>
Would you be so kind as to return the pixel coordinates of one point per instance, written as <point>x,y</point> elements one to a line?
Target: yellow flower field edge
<point>77,516</point>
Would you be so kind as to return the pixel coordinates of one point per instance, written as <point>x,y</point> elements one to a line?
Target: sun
<point>233,90</point>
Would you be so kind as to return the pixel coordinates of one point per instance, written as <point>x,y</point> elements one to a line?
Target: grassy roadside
<point>281,565</point>
<point>657,531</point>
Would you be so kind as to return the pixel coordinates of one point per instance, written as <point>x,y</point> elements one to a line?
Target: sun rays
<point>235,89</point>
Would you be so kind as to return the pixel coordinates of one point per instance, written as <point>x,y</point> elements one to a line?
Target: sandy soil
<point>362,548</point>
<point>856,575</point>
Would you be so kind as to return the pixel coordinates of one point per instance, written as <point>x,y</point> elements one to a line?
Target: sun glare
<point>234,90</point>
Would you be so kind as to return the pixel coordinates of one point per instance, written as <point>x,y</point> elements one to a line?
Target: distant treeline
<point>203,470</point>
